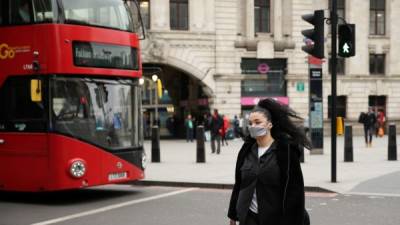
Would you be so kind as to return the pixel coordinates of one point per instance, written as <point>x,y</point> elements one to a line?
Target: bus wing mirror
<point>36,90</point>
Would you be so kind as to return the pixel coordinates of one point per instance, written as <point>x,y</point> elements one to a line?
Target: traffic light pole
<point>334,22</point>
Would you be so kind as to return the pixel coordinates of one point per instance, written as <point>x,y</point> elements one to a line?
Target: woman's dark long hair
<point>281,118</point>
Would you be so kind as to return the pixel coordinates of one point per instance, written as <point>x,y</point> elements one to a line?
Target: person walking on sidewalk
<point>381,124</point>
<point>216,125</point>
<point>236,131</point>
<point>269,186</point>
<point>189,128</point>
<point>224,129</point>
<point>369,121</point>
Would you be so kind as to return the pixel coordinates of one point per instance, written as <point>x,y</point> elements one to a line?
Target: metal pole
<point>333,89</point>
<point>156,102</point>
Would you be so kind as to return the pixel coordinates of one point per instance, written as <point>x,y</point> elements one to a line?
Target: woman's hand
<point>232,222</point>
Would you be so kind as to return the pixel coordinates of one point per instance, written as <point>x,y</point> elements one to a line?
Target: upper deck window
<point>21,12</point>
<point>103,13</point>
<point>114,14</point>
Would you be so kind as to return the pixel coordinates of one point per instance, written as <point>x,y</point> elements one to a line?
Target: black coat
<point>216,124</point>
<point>280,197</point>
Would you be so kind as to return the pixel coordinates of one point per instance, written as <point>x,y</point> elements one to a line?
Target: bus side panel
<point>23,162</point>
<point>16,51</point>
<point>99,164</point>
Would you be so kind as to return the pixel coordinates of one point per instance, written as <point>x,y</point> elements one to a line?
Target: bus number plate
<point>117,176</point>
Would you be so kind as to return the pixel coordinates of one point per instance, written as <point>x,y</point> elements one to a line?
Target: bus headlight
<point>77,168</point>
<point>144,161</point>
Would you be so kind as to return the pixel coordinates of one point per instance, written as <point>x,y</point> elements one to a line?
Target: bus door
<point>23,132</point>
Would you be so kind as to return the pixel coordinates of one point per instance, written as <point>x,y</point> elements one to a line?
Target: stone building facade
<point>228,46</point>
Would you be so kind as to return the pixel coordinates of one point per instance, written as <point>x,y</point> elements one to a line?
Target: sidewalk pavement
<point>178,164</point>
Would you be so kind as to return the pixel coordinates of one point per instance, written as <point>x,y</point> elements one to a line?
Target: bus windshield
<point>100,111</point>
<point>114,14</point>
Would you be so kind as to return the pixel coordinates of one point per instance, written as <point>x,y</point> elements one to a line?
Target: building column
<point>359,64</point>
<point>196,15</point>
<point>277,4</point>
<point>159,15</point>
<point>250,19</point>
<point>394,51</point>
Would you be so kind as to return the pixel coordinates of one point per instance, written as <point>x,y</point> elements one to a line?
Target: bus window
<point>21,12</point>
<point>2,12</point>
<point>18,112</point>
<point>43,11</point>
<point>111,14</point>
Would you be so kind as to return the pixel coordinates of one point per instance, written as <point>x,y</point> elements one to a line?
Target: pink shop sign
<point>249,101</point>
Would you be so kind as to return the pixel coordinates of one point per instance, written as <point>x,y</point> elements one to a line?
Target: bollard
<point>301,153</point>
<point>348,144</point>
<point>155,144</point>
<point>339,125</point>
<point>200,148</point>
<point>392,147</point>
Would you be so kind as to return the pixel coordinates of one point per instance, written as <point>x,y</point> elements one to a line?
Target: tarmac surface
<point>371,172</point>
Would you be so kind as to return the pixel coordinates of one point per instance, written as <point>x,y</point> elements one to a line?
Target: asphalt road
<point>137,205</point>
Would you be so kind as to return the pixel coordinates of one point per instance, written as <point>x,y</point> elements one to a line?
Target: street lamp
<point>155,78</point>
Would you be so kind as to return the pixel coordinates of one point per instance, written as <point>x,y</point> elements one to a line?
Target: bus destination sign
<point>90,54</point>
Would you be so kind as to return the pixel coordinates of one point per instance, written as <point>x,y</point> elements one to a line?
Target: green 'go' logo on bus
<point>6,52</point>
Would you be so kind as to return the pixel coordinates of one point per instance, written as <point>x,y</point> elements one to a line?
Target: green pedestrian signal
<point>347,41</point>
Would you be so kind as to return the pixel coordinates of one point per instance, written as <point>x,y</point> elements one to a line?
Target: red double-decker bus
<point>70,104</point>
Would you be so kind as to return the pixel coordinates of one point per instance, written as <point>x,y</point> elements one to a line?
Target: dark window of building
<point>341,103</point>
<point>341,11</point>
<point>145,12</point>
<point>273,86</point>
<point>262,15</point>
<point>377,64</point>
<point>264,77</point>
<point>251,66</point>
<point>21,113</point>
<point>377,102</point>
<point>339,67</point>
<point>179,16</point>
<point>377,17</point>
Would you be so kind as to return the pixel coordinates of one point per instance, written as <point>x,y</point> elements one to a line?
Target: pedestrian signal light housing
<point>314,37</point>
<point>347,41</point>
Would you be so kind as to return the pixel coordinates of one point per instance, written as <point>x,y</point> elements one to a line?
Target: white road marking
<point>375,194</point>
<point>115,206</point>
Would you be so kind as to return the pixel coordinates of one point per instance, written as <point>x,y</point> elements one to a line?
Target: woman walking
<point>269,187</point>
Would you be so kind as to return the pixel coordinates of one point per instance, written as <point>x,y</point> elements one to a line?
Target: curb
<point>210,185</point>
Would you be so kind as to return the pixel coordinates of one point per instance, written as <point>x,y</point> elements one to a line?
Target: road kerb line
<point>111,207</point>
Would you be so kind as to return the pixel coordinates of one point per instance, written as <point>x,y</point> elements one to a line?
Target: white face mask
<point>257,131</point>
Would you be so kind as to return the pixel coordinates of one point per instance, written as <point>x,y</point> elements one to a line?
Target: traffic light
<point>347,40</point>
<point>315,35</point>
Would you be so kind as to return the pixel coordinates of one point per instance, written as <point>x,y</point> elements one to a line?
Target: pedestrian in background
<point>189,128</point>
<point>369,121</point>
<point>236,129</point>
<point>269,186</point>
<point>381,123</point>
<point>224,129</point>
<point>207,126</point>
<point>216,125</point>
<point>306,126</point>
